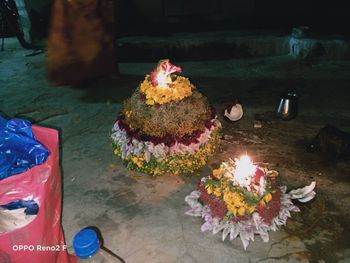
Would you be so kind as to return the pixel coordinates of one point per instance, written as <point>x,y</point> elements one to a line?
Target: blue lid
<point>85,243</point>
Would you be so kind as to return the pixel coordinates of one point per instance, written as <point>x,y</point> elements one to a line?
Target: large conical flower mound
<point>166,126</point>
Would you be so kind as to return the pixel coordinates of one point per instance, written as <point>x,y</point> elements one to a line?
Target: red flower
<point>258,174</point>
<point>271,209</point>
<point>217,206</point>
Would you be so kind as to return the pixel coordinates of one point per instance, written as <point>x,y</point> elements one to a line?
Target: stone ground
<point>142,218</point>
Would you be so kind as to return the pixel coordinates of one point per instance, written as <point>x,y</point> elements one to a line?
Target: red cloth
<point>42,183</point>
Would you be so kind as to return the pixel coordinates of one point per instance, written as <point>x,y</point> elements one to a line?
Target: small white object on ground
<point>235,114</point>
<point>257,124</point>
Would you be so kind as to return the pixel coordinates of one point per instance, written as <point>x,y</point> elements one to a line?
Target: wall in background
<point>162,17</point>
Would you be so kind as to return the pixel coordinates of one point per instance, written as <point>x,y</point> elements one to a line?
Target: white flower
<point>262,186</point>
<point>160,151</point>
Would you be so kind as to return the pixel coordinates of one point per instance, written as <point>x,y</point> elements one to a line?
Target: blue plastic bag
<point>31,207</point>
<point>19,150</point>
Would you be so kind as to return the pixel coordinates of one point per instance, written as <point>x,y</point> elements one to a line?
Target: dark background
<point>163,17</point>
<point>166,16</point>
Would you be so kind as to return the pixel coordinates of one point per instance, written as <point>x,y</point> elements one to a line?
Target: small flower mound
<point>242,199</point>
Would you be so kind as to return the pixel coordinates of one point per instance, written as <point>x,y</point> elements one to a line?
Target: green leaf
<point>250,198</point>
<point>212,182</point>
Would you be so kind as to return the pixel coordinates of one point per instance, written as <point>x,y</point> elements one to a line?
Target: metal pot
<point>288,106</point>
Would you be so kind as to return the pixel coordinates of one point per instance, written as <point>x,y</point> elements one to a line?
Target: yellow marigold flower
<point>233,199</point>
<point>217,192</point>
<point>137,160</point>
<point>179,89</point>
<point>143,85</point>
<point>116,151</point>
<point>227,189</point>
<point>157,171</point>
<point>251,209</point>
<point>150,102</point>
<point>217,173</point>
<point>268,197</point>
<point>241,211</point>
<point>209,189</point>
<point>233,209</point>
<point>128,113</point>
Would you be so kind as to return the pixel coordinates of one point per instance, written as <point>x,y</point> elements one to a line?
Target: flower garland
<point>165,157</point>
<point>244,205</point>
<point>177,90</point>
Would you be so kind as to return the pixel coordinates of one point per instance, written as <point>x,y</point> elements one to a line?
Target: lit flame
<point>161,76</point>
<point>245,170</point>
<point>162,79</point>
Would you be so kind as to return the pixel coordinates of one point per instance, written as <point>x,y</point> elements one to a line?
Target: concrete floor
<point>142,218</point>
